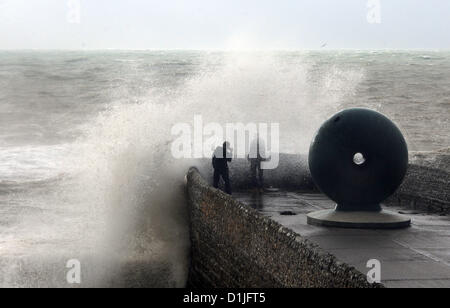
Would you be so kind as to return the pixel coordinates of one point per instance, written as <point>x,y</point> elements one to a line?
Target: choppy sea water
<point>85,143</point>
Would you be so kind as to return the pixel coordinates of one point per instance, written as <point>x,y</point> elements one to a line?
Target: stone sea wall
<point>427,183</point>
<point>234,246</point>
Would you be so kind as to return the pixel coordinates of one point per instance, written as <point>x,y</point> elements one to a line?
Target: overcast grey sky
<point>224,24</point>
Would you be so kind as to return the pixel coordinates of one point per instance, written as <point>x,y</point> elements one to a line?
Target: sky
<point>224,24</point>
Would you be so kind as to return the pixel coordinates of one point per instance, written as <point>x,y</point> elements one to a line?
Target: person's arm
<point>229,156</point>
<point>214,161</point>
<point>266,159</point>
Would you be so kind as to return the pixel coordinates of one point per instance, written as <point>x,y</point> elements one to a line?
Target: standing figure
<point>256,156</point>
<point>222,156</point>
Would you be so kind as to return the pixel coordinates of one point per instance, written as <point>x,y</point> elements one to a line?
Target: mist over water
<point>86,170</point>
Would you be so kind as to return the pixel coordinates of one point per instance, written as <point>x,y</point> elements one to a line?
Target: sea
<point>90,194</point>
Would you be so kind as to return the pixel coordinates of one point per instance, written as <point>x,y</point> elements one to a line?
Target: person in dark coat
<point>256,157</point>
<point>222,156</point>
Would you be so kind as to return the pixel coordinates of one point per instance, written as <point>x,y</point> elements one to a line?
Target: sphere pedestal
<point>359,220</point>
<point>358,159</point>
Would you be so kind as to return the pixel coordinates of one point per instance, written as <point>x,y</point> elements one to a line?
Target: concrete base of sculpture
<point>359,220</point>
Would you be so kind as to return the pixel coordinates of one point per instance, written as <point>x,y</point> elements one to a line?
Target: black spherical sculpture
<point>358,159</point>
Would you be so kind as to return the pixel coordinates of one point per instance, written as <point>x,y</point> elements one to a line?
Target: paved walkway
<point>415,257</point>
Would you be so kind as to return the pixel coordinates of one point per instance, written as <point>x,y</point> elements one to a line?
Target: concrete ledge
<point>359,220</point>
<point>234,246</point>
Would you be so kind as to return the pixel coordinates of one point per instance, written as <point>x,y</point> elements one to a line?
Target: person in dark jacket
<point>222,156</point>
<point>256,157</point>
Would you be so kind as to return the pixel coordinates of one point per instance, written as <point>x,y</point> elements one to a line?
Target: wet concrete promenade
<point>415,257</point>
